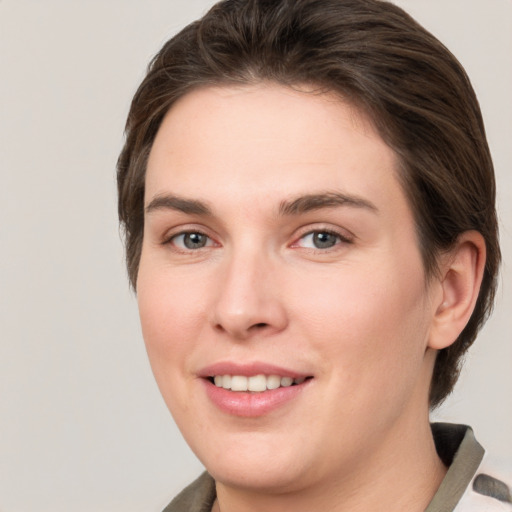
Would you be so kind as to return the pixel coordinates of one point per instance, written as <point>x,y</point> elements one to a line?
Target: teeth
<point>286,381</point>
<point>273,381</point>
<point>226,381</point>
<point>238,383</point>
<point>255,383</point>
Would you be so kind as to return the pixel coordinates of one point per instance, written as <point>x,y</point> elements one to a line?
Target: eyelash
<point>341,239</point>
<point>171,240</point>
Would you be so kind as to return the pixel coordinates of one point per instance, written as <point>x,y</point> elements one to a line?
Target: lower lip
<point>252,404</point>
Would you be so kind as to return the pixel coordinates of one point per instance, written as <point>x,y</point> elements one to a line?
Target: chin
<point>257,476</point>
<point>257,461</point>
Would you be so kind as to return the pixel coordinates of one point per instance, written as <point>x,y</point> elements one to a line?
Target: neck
<point>403,474</point>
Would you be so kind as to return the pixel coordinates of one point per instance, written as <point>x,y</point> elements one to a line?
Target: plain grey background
<point>82,425</point>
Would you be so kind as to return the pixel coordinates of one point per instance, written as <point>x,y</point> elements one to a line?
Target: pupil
<point>323,240</point>
<point>194,240</point>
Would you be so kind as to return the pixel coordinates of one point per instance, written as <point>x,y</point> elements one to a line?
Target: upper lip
<point>249,369</point>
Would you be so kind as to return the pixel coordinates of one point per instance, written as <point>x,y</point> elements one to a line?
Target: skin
<point>358,316</point>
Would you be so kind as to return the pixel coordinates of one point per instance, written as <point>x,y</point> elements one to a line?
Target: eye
<point>320,240</point>
<point>191,240</point>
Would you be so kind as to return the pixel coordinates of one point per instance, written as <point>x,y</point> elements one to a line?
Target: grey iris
<point>194,240</point>
<point>324,240</point>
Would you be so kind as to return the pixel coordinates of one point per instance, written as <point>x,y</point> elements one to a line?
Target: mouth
<point>253,389</point>
<point>255,383</point>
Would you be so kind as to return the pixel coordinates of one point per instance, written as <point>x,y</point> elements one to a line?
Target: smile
<point>254,383</point>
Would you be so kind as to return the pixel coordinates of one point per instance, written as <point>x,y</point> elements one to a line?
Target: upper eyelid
<point>171,233</point>
<point>344,234</point>
<point>342,239</point>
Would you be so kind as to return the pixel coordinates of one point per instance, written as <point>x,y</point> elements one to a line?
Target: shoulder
<point>475,481</point>
<point>490,489</point>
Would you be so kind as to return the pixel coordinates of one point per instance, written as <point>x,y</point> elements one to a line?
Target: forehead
<point>266,141</point>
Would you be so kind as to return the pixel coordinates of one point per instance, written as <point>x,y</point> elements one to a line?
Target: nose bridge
<point>248,300</point>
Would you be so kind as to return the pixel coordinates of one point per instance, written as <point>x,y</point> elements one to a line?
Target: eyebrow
<point>297,206</point>
<point>180,204</point>
<point>311,202</point>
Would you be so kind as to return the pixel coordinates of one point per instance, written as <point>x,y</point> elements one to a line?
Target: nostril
<point>219,328</point>
<point>254,327</point>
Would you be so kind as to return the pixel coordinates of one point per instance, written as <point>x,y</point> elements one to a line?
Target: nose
<point>249,300</point>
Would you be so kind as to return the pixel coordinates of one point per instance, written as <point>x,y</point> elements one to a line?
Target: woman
<point>308,199</point>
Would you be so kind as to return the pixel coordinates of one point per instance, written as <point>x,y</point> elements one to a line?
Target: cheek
<point>368,322</point>
<point>171,314</point>
<point>168,325</point>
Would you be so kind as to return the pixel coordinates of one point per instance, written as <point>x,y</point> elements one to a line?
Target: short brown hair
<point>376,56</point>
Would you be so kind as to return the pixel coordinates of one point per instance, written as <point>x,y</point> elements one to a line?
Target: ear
<point>461,270</point>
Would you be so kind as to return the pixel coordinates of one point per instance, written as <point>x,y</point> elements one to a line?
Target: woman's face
<point>279,247</point>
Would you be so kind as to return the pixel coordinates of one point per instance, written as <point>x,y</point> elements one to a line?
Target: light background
<point>82,425</point>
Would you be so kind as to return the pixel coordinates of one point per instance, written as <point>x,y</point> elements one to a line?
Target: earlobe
<point>461,276</point>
